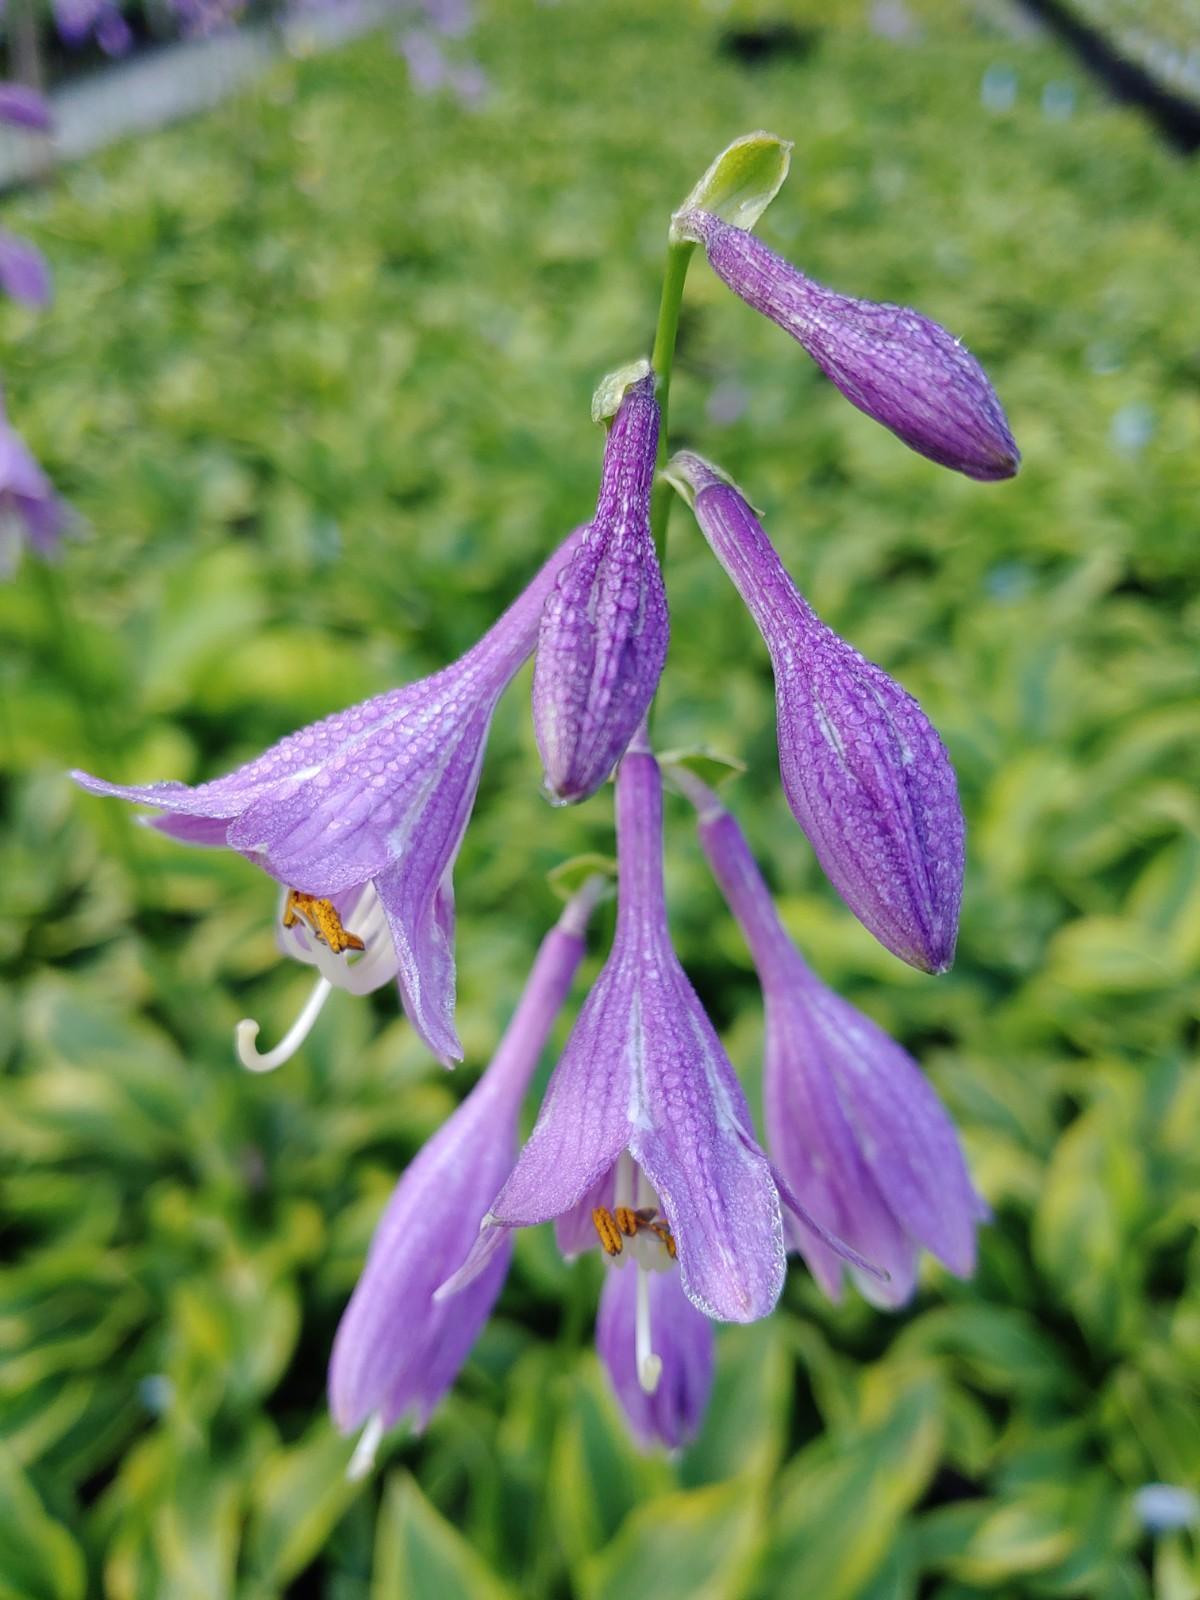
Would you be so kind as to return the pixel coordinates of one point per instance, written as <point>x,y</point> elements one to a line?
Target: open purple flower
<point>30,511</point>
<point>644,1128</point>
<point>863,768</point>
<point>899,367</point>
<point>396,1350</point>
<point>852,1123</point>
<point>603,638</point>
<point>377,799</point>
<point>632,1303</point>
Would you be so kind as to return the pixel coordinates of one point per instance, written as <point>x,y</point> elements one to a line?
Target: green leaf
<point>710,766</point>
<point>841,1499</point>
<point>39,1560</point>
<point>743,180</point>
<point>597,1476</point>
<point>743,1430</point>
<point>298,1496</point>
<point>419,1555</point>
<point>568,877</point>
<point>699,1544</point>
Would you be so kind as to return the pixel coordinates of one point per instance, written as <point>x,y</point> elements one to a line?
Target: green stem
<point>663,361</point>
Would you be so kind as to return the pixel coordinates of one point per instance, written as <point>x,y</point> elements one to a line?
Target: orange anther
<point>605,1225</point>
<point>628,1220</point>
<point>322,918</point>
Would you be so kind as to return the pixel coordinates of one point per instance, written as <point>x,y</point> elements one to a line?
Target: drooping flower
<point>397,1351</point>
<point>863,768</point>
<point>377,799</point>
<point>636,1306</point>
<point>30,511</point>
<point>24,272</point>
<point>891,362</point>
<point>852,1123</point>
<point>644,1129</point>
<point>603,638</point>
<point>23,107</point>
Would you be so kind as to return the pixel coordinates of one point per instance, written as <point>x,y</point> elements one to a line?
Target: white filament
<point>363,1458</point>
<point>649,1366</point>
<point>246,1033</point>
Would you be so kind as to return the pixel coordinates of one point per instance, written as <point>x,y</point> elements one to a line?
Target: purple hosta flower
<point>633,1306</point>
<point>78,21</point>
<point>30,511</point>
<point>427,65</point>
<point>374,798</point>
<point>396,1351</point>
<point>24,273</point>
<point>896,365</point>
<point>852,1124</point>
<point>603,637</point>
<point>23,107</point>
<point>864,771</point>
<point>644,1129</point>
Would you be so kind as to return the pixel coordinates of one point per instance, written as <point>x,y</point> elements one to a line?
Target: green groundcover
<point>317,380</point>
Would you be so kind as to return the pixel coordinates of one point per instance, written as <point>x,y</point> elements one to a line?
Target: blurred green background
<point>317,377</point>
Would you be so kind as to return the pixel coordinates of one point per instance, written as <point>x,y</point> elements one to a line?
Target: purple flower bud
<point>376,796</point>
<point>644,1116</point>
<point>853,1126</point>
<point>23,107</point>
<point>896,365</point>
<point>604,632</point>
<point>24,274</point>
<point>863,769</point>
<point>30,511</point>
<point>397,1351</point>
<point>651,1307</point>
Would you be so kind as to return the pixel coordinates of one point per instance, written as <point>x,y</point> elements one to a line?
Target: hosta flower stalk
<point>645,1128</point>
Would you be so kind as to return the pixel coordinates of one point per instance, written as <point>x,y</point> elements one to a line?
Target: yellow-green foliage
<point>318,377</point>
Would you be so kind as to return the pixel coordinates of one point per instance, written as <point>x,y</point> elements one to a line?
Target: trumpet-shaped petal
<point>637,1307</point>
<point>863,768</point>
<point>378,795</point>
<point>899,367</point>
<point>396,1351</point>
<point>30,511</point>
<point>644,1076</point>
<point>853,1125</point>
<point>603,637</point>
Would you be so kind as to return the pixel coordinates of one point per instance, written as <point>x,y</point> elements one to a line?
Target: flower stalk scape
<point>643,1149</point>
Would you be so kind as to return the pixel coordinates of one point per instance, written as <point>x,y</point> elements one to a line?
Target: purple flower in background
<point>896,365</point>
<point>644,1126</point>
<point>23,107</point>
<point>78,21</point>
<point>603,638</point>
<point>30,511</point>
<point>671,1412</point>
<point>377,796</point>
<point>396,1350</point>
<point>24,273</point>
<point>863,769</point>
<point>852,1124</point>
